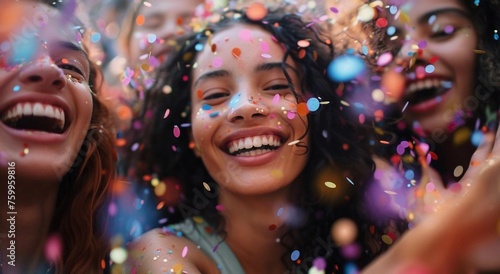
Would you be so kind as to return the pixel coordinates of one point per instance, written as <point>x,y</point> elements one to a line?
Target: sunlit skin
<point>56,76</point>
<point>240,91</point>
<point>167,20</point>
<point>450,43</point>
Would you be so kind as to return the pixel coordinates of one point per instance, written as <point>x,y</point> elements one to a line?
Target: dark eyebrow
<point>212,74</point>
<point>70,46</point>
<point>271,66</point>
<point>425,18</point>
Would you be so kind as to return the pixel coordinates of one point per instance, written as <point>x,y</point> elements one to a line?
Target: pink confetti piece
<point>177,132</point>
<point>167,112</point>
<point>184,251</point>
<point>276,99</point>
<point>264,47</point>
<point>217,62</point>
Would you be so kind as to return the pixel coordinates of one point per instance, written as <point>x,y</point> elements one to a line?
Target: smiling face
<point>163,22</point>
<point>45,100</point>
<point>438,44</point>
<point>244,114</point>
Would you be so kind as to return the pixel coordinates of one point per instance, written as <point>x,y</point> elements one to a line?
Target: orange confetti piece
<point>302,109</point>
<point>236,52</point>
<point>302,53</point>
<point>256,11</point>
<point>139,20</point>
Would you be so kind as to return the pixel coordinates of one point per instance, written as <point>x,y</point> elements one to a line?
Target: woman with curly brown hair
<point>57,145</point>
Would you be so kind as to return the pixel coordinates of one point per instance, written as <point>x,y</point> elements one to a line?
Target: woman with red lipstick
<point>244,117</point>
<point>56,146</point>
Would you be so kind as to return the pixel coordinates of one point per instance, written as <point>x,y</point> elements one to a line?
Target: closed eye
<point>277,87</point>
<point>213,96</point>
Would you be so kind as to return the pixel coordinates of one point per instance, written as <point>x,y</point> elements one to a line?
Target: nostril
<point>57,83</point>
<point>35,78</point>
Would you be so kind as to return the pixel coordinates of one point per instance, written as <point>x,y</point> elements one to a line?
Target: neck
<point>261,219</point>
<point>25,217</point>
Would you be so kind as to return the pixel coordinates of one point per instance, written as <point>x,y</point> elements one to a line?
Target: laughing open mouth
<point>253,146</point>
<point>427,89</point>
<point>35,117</point>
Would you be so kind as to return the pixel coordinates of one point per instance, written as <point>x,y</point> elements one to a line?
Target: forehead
<point>26,20</point>
<point>419,8</point>
<point>174,7</point>
<point>242,42</point>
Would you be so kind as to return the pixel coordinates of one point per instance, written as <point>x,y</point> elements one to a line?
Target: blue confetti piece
<point>95,37</point>
<point>313,104</point>
<point>151,38</point>
<point>409,174</point>
<point>476,138</point>
<point>214,114</point>
<point>206,107</point>
<point>16,88</point>
<point>349,180</point>
<point>345,68</point>
<point>198,47</point>
<point>295,255</point>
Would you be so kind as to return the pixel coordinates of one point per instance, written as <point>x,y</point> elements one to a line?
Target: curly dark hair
<point>336,143</point>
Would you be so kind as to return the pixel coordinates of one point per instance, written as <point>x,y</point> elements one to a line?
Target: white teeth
<point>27,110</point>
<point>248,143</point>
<point>35,109</point>
<point>254,142</point>
<point>38,109</point>
<point>426,84</point>
<point>257,142</point>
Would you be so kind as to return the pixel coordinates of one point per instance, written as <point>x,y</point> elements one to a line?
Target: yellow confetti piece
<point>177,268</point>
<point>276,173</point>
<point>198,219</point>
<point>155,182</point>
<point>479,51</point>
<point>160,189</point>
<point>330,185</point>
<point>386,239</point>
<point>292,143</point>
<point>206,186</point>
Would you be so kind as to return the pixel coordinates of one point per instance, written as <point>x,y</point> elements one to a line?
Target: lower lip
<point>257,160</point>
<point>429,105</point>
<point>34,136</point>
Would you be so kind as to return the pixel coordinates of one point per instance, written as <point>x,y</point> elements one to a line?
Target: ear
<point>193,145</point>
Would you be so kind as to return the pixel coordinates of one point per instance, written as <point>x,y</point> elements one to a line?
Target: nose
<point>43,73</point>
<point>169,29</point>
<point>246,108</point>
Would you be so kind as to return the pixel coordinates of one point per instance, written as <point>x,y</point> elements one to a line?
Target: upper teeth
<point>34,109</point>
<point>427,83</point>
<point>254,142</point>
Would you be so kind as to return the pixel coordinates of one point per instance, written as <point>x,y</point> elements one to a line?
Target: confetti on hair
<point>167,112</point>
<point>295,255</point>
<point>53,248</point>
<point>349,180</point>
<point>256,11</point>
<point>177,131</point>
<point>330,185</point>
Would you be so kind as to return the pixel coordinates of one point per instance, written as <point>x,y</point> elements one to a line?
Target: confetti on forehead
<point>246,35</point>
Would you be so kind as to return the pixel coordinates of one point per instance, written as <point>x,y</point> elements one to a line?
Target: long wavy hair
<point>335,142</point>
<point>79,218</point>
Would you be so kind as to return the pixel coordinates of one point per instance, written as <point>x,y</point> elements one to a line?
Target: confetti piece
<point>330,185</point>
<point>292,143</point>
<point>295,255</point>
<point>219,207</point>
<point>276,99</point>
<point>118,255</point>
<point>344,231</point>
<point>345,68</point>
<point>167,112</point>
<point>302,109</point>
<point>334,10</point>
<point>256,11</point>
<point>272,227</point>
<point>184,251</point>
<point>279,212</point>
<point>217,62</point>
<point>177,132</point>
<point>313,104</point>
<point>303,43</point>
<point>236,52</point>
<point>53,248</point>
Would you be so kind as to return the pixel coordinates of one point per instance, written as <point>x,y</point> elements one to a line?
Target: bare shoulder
<point>158,251</point>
